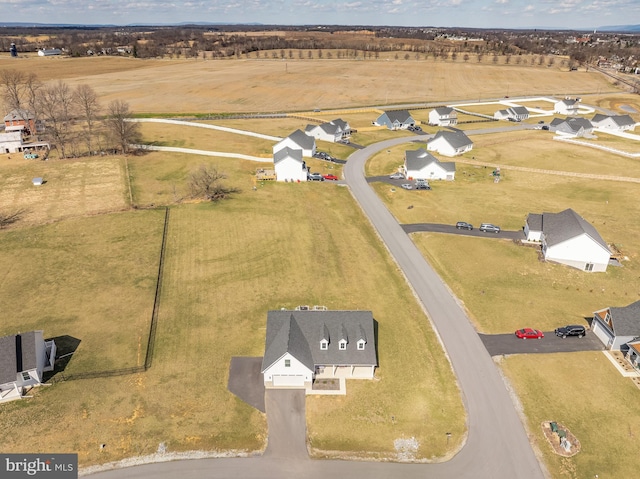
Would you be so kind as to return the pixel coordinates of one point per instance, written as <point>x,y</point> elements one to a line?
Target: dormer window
<point>342,345</point>
<point>324,344</point>
<point>361,344</point>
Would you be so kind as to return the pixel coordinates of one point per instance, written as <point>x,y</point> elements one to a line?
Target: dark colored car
<point>529,333</point>
<point>571,330</point>
<point>463,225</point>
<point>423,186</point>
<point>545,127</point>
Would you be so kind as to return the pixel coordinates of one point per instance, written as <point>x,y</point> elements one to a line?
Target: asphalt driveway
<point>246,381</point>
<point>451,229</point>
<point>287,424</point>
<point>498,344</point>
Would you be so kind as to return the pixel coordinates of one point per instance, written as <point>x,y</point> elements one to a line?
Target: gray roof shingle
<point>300,333</point>
<point>287,152</point>
<point>456,139</point>
<point>17,354</point>
<point>559,227</point>
<point>626,320</point>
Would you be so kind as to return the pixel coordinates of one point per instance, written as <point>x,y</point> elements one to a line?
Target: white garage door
<point>281,380</point>
<point>601,333</point>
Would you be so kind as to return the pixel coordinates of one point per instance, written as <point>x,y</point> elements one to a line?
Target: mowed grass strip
<point>71,188</point>
<point>586,394</point>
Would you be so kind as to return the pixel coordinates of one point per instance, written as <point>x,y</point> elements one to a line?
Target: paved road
<point>498,344</point>
<point>497,440</point>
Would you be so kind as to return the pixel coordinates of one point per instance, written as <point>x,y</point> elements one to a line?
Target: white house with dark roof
<point>450,143</point>
<point>421,165</point>
<point>568,239</point>
<point>574,127</point>
<point>568,106</point>
<point>289,165</point>
<point>617,327</point>
<point>297,140</point>
<point>613,122</point>
<point>443,116</point>
<point>301,346</point>
<point>395,120</point>
<point>23,360</point>
<point>332,131</point>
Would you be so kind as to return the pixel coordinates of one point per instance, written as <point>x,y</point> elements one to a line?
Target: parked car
<point>407,186</point>
<point>541,122</point>
<point>463,225</point>
<point>315,177</point>
<point>423,186</point>
<point>397,176</point>
<point>545,127</point>
<point>571,330</point>
<point>489,228</point>
<point>417,128</point>
<point>330,177</point>
<point>529,333</point>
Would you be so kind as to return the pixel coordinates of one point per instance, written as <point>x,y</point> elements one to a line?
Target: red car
<point>330,177</point>
<point>528,333</point>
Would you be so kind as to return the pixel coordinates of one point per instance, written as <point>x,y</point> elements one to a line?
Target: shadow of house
<point>66,347</point>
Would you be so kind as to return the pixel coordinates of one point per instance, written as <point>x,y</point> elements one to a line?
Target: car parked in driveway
<point>406,186</point>
<point>529,333</point>
<point>396,176</point>
<point>463,225</point>
<point>489,228</point>
<point>571,330</point>
<point>330,177</point>
<point>315,177</point>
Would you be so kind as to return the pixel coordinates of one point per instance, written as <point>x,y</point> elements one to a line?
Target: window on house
<point>588,267</point>
<point>343,345</point>
<point>324,345</point>
<point>287,363</point>
<point>361,345</point>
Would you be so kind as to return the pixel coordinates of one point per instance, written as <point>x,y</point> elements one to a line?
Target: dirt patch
<point>326,385</point>
<point>556,441</point>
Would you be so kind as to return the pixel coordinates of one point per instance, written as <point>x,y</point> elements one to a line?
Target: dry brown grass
<point>72,188</point>
<point>273,85</point>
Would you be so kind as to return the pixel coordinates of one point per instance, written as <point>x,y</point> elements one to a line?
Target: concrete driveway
<point>498,344</point>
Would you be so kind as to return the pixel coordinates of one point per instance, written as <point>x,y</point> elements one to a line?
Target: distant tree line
<point>76,124</point>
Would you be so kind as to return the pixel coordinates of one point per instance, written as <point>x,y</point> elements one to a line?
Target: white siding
<point>295,368</point>
<point>578,252</point>
<point>289,169</point>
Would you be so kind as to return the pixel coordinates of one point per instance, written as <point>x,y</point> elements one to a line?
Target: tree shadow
<point>66,346</point>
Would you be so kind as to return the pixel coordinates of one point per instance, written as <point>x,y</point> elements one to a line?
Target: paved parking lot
<point>498,344</point>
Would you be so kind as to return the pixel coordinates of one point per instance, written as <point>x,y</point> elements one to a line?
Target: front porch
<point>344,371</point>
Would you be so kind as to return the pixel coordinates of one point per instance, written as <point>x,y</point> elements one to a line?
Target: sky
<point>567,14</point>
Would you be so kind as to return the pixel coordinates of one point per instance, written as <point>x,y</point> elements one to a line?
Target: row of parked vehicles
<point>562,332</point>
<point>484,227</point>
<point>321,177</point>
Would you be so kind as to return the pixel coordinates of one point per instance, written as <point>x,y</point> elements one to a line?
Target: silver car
<point>406,186</point>
<point>489,228</point>
<point>397,176</point>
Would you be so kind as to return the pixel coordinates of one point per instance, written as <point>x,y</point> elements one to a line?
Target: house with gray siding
<point>23,360</point>
<point>302,346</point>
<point>395,120</point>
<point>617,327</point>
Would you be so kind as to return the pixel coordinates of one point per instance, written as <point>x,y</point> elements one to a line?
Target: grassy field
<point>601,410</point>
<point>71,188</point>
<point>612,141</point>
<point>160,86</point>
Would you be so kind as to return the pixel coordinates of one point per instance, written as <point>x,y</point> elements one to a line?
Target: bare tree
<point>86,100</point>
<point>58,108</point>
<point>13,88</point>
<point>120,128</point>
<point>206,183</point>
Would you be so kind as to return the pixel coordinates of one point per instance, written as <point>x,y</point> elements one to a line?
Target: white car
<point>407,186</point>
<point>397,176</point>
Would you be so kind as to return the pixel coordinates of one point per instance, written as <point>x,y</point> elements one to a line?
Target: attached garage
<point>601,333</point>
<point>282,380</point>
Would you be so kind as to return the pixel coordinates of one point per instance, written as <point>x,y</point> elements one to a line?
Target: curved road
<point>497,444</point>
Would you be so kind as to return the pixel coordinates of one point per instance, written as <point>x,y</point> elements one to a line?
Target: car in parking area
<point>423,186</point>
<point>330,177</point>
<point>571,330</point>
<point>489,228</point>
<point>396,176</point>
<point>463,225</point>
<point>529,333</point>
<point>315,177</point>
<point>406,186</point>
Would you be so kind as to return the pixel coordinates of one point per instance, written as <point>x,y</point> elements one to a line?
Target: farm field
<point>181,86</point>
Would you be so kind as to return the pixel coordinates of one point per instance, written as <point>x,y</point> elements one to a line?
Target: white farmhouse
<point>289,165</point>
<point>443,116</point>
<point>568,106</point>
<point>297,141</point>
<point>332,131</point>
<point>422,165</point>
<point>23,360</point>
<point>568,239</point>
<point>450,143</point>
<point>513,113</point>
<point>301,346</point>
<point>613,122</point>
<point>11,142</point>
